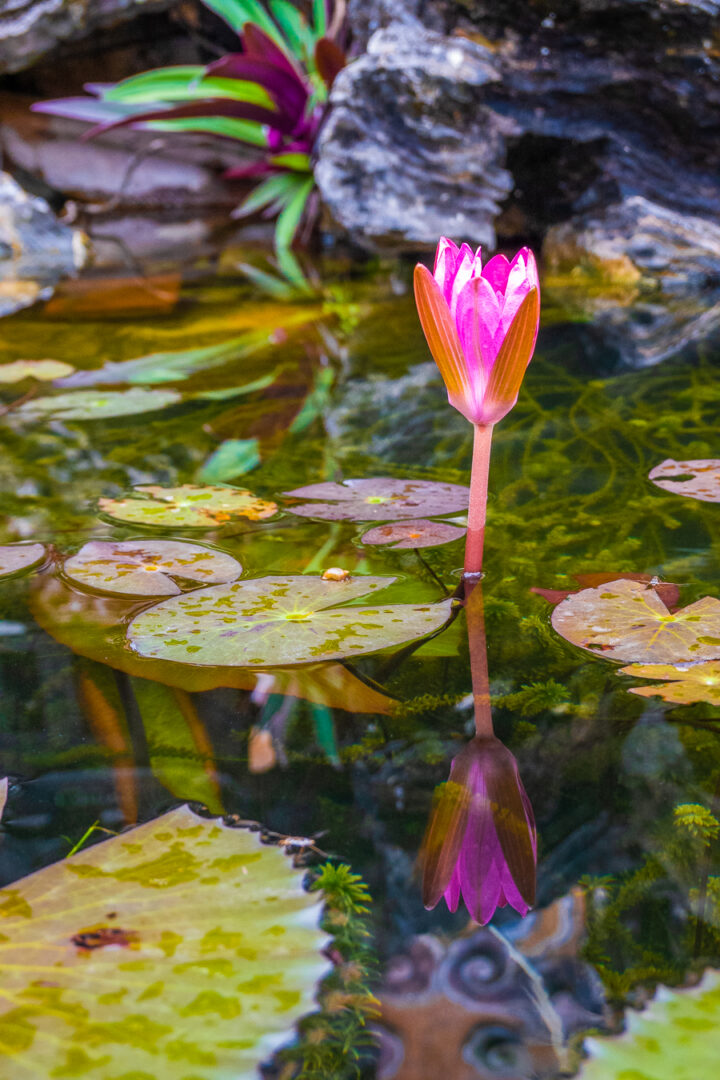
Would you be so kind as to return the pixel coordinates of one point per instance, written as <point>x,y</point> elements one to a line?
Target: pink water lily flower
<point>481,323</point>
<point>481,841</point>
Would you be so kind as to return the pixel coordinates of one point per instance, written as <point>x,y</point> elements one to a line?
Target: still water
<point>225,386</point>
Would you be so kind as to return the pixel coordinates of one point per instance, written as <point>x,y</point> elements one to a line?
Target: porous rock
<point>409,150</point>
<point>31,28</point>
<point>36,250</point>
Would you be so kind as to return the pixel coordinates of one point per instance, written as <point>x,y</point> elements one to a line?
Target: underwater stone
<point>409,151</point>
<point>36,250</point>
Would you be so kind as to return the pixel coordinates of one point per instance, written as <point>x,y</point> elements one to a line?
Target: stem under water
<point>475,617</point>
<point>478,499</point>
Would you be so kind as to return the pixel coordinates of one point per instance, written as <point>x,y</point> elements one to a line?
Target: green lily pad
<point>276,621</point>
<point>16,557</point>
<point>194,506</point>
<point>382,498</point>
<point>183,948</point>
<point>97,404</point>
<point>43,370</point>
<point>147,567</point>
<point>677,1037</point>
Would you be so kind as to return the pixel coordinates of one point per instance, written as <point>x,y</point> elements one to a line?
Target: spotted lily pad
<point>698,478</point>
<point>677,1037</point>
<point>97,404</point>
<point>16,557</point>
<point>276,621</point>
<point>181,949</point>
<point>195,506</point>
<point>146,567</point>
<point>419,533</point>
<point>685,683</point>
<point>627,620</point>
<point>43,370</point>
<point>381,499</point>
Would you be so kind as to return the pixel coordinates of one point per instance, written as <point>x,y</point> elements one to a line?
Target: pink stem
<point>478,499</point>
<point>475,616</point>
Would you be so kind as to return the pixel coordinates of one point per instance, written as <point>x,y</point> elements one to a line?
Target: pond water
<point>272,396</point>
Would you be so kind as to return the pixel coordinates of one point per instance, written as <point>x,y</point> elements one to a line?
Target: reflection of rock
<point>30,28</point>
<point>472,1010</point>
<point>36,250</point>
<point>410,151</point>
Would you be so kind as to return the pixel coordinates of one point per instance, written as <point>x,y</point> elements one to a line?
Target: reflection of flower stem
<point>478,498</point>
<point>475,615</point>
<point>701,916</point>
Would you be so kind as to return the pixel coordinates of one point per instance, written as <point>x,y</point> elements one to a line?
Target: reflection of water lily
<point>481,841</point>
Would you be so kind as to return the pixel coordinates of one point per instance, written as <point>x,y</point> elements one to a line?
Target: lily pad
<point>668,591</point>
<point>43,370</point>
<point>627,620</point>
<point>147,567</point>
<point>697,479</point>
<point>677,1037</point>
<point>93,626</point>
<point>181,948</point>
<point>418,533</point>
<point>97,404</point>
<point>194,506</point>
<point>277,621</point>
<point>685,684</point>
<point>379,499</point>
<point>16,557</point>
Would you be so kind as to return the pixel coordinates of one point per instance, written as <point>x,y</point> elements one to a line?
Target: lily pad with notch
<point>379,499</point>
<point>417,533</point>
<point>97,405</point>
<point>279,621</point>
<point>189,506</point>
<point>627,620</point>
<point>42,370</point>
<point>17,557</point>
<point>148,567</point>
<point>685,684</point>
<point>181,947</point>
<point>698,478</point>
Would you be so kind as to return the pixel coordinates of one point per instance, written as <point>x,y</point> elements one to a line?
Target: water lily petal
<point>442,338</point>
<point>477,319</point>
<point>446,258</point>
<point>513,358</point>
<point>496,273</point>
<point>465,270</point>
<point>442,842</point>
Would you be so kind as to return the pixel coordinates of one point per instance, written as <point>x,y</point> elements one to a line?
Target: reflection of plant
<point>271,96</point>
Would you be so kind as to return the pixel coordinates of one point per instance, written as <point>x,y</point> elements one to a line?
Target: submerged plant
<point>270,94</point>
<point>481,324</point>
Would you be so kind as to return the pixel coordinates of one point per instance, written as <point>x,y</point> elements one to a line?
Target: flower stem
<point>478,498</point>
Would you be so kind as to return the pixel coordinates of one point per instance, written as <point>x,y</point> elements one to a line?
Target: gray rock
<point>409,150</point>
<point>30,28</point>
<point>367,16</point>
<point>36,250</point>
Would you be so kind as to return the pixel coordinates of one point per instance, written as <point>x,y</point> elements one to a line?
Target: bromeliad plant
<point>481,323</point>
<point>271,94</point>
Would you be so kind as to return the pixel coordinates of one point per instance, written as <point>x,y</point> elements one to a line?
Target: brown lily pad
<point>685,684</point>
<point>147,567</point>
<point>379,499</point>
<point>194,506</point>
<point>668,592</point>
<point>627,620</point>
<point>419,533</point>
<point>697,479</point>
